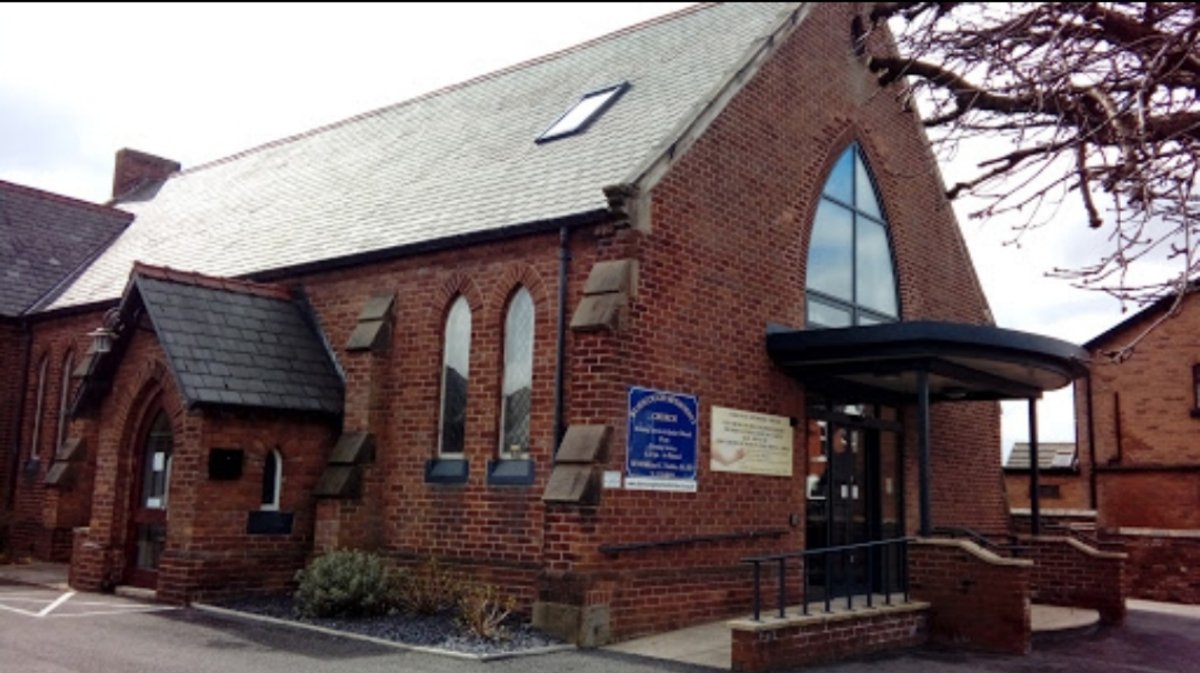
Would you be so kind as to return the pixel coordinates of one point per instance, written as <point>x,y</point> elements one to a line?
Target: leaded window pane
<point>826,314</point>
<point>840,185</point>
<point>271,481</point>
<point>831,252</point>
<point>876,287</point>
<point>517,387</point>
<point>455,371</point>
<point>864,191</point>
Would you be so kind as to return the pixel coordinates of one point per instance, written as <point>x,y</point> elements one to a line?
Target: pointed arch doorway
<point>147,533</point>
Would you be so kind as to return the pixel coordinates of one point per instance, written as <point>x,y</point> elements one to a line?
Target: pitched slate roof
<point>456,162</point>
<point>43,238</point>
<point>1051,456</point>
<point>238,344</point>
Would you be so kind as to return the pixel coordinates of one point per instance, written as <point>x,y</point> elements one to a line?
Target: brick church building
<point>597,327</point>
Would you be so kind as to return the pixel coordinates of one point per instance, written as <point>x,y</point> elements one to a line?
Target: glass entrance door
<point>854,496</point>
<point>148,524</point>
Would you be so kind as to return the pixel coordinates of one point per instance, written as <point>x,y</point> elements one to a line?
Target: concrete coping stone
<point>773,623</point>
<point>975,550</point>
<point>1078,513</point>
<point>1083,547</point>
<point>1192,533</point>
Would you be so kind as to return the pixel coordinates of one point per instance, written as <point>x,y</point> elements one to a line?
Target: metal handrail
<point>897,546</point>
<point>981,539</point>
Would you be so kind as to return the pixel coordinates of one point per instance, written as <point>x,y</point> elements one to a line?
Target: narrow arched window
<point>851,279</point>
<point>64,398</point>
<point>517,384</point>
<point>39,408</point>
<point>456,360</point>
<point>272,481</point>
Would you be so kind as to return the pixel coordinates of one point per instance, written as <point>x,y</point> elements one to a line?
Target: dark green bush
<point>344,583</point>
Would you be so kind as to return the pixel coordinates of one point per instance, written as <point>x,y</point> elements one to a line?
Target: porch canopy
<point>922,362</point>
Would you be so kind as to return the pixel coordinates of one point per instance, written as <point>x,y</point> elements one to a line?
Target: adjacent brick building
<point>537,325</point>
<point>1138,426</point>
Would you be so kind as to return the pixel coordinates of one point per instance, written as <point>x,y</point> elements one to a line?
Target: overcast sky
<point>197,82</point>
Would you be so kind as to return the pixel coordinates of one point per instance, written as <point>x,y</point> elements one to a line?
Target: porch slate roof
<point>239,346</point>
<point>458,162</point>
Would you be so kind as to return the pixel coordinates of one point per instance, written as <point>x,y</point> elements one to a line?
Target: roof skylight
<point>581,115</point>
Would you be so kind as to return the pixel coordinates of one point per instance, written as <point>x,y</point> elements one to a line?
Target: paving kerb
<point>204,607</point>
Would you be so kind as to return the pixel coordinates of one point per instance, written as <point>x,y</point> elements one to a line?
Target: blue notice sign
<point>661,452</point>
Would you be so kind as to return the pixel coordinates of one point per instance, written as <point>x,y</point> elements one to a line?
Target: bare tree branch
<point>1099,98</point>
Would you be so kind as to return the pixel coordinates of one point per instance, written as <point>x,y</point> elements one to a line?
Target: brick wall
<point>816,640</point>
<point>979,600</point>
<point>1162,565</point>
<point>1068,572</point>
<point>44,517</point>
<point>396,396</point>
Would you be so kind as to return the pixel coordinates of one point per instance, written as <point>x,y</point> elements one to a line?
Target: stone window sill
<point>447,471</point>
<point>515,472</point>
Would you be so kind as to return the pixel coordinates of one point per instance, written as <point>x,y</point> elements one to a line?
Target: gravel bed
<point>440,631</point>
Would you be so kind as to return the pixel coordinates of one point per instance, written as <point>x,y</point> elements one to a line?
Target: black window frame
<point>618,91</point>
<point>1196,390</point>
<point>856,310</point>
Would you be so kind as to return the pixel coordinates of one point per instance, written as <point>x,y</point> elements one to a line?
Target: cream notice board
<point>751,443</point>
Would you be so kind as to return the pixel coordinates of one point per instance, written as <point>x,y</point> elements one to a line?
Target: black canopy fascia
<point>963,362</point>
<point>924,362</point>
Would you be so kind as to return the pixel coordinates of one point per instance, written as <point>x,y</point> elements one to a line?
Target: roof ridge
<point>64,199</point>
<point>521,65</point>
<point>165,273</point>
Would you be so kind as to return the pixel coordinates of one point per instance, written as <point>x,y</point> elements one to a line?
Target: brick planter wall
<point>978,600</point>
<point>1071,573</point>
<point>774,644</point>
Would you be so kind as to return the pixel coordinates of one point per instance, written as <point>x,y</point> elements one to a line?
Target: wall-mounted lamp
<point>102,339</point>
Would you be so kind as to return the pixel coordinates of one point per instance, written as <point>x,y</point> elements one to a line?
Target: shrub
<point>429,589</point>
<point>344,583</point>
<point>482,611</point>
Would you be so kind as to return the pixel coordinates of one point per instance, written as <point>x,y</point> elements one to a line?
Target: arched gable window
<point>272,481</point>
<point>850,276</point>
<point>517,385</point>
<point>39,407</point>
<point>64,398</point>
<point>456,360</point>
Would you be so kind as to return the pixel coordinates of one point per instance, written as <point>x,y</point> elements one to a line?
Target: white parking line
<point>70,604</point>
<point>57,602</point>
<point>19,611</point>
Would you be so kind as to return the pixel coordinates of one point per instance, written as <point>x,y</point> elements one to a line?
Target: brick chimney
<point>134,169</point>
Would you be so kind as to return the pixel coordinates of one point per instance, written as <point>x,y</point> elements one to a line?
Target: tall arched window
<point>850,276</point>
<point>517,385</point>
<point>272,480</point>
<point>456,360</point>
<point>39,407</point>
<point>64,397</point>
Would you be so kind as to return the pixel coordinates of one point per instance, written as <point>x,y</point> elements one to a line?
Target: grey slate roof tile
<point>216,362</point>
<point>455,162</point>
<point>44,238</point>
